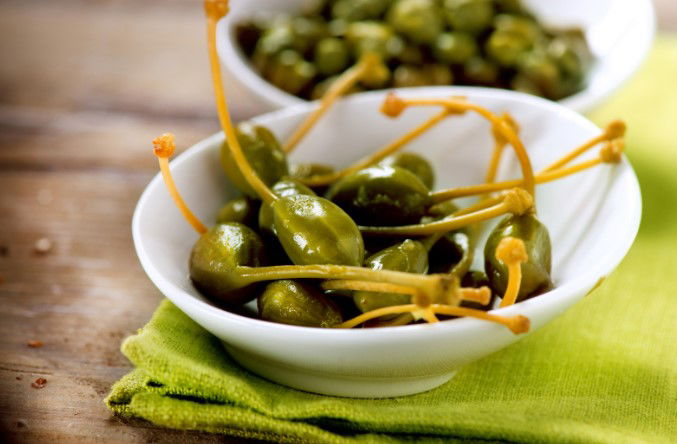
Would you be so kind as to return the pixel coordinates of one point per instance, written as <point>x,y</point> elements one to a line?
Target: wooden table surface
<point>84,86</point>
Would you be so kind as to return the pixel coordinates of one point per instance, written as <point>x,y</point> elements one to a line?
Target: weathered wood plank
<point>135,57</point>
<point>48,140</point>
<point>69,409</point>
<point>80,299</point>
<point>90,85</point>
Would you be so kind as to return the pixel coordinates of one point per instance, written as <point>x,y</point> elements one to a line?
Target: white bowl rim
<point>581,284</point>
<point>581,101</point>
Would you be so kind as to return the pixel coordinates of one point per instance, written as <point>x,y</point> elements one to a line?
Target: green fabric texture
<point>604,372</point>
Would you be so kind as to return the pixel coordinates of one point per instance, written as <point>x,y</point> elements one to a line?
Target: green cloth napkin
<point>606,371</point>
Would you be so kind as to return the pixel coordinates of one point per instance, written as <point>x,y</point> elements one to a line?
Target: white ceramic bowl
<point>620,33</point>
<point>592,217</point>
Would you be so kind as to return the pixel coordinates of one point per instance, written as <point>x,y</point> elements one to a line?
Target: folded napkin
<point>606,371</point>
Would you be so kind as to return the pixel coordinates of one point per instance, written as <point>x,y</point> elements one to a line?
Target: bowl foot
<point>336,384</point>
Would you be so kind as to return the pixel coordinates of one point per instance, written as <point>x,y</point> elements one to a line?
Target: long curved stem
<point>499,124</point>
<point>613,134</point>
<point>610,153</point>
<point>216,9</point>
<point>378,155</point>
<point>497,152</point>
<point>385,311</point>
<point>403,319</point>
<point>434,286</point>
<point>517,324</point>
<point>574,153</point>
<point>339,88</point>
<point>429,315</point>
<point>485,203</point>
<point>378,287</point>
<point>514,283</point>
<point>614,130</point>
<point>516,201</point>
<point>549,176</point>
<point>164,148</point>
<point>512,252</point>
<point>480,295</point>
<point>499,146</point>
<point>444,225</point>
<point>473,190</point>
<point>375,287</point>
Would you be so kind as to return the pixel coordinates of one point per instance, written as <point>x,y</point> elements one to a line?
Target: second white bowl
<point>619,32</point>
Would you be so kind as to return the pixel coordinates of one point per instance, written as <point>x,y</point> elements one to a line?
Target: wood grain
<point>84,86</point>
<point>90,84</point>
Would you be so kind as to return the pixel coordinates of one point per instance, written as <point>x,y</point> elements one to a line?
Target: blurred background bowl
<point>619,33</point>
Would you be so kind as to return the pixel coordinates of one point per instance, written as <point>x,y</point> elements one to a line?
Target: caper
<point>510,6</point>
<point>575,38</point>
<point>282,188</point>
<point>442,209</point>
<point>473,16</point>
<point>291,72</point>
<point>353,10</point>
<point>304,73</point>
<point>566,87</point>
<point>455,47</point>
<point>294,303</point>
<point>524,84</point>
<point>315,231</point>
<point>306,170</point>
<point>409,256</point>
<point>395,46</point>
<point>542,71</point>
<point>215,257</point>
<point>411,54</point>
<point>506,48</point>
<point>406,76</point>
<point>372,37</point>
<point>536,271</point>
<point>481,71</point>
<point>414,163</point>
<point>566,58</point>
<point>381,195</point>
<point>338,27</point>
<point>307,32</point>
<point>243,210</point>
<point>438,74</point>
<point>419,20</point>
<point>374,244</point>
<point>331,56</point>
<point>273,41</point>
<point>521,26</point>
<point>263,152</point>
